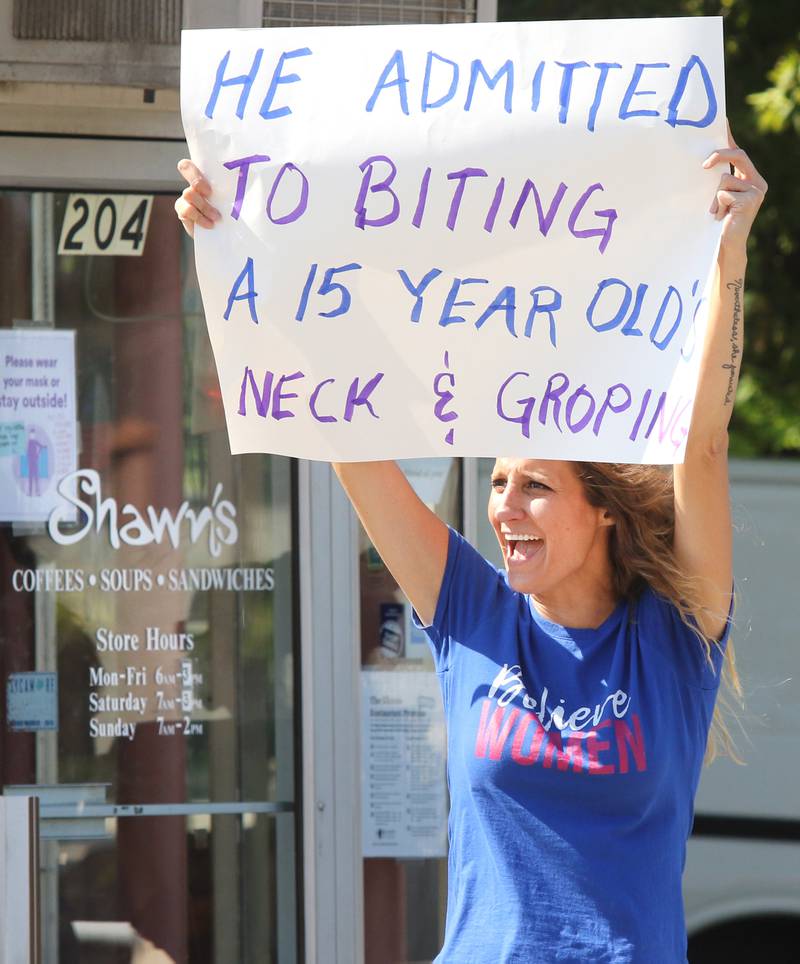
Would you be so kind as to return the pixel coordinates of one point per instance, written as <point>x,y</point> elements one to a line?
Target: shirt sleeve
<point>471,588</point>
<point>662,628</point>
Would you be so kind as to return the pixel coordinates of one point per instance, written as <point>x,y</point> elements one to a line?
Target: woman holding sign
<point>580,684</point>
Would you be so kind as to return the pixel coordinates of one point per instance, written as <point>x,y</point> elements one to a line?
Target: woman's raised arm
<point>411,539</point>
<point>703,536</point>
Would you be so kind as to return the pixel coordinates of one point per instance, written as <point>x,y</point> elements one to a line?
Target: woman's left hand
<point>739,194</point>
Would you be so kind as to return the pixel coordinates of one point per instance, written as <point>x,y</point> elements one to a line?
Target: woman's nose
<point>508,506</point>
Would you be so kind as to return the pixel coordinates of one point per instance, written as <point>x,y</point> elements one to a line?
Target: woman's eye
<point>498,483</point>
<point>533,484</point>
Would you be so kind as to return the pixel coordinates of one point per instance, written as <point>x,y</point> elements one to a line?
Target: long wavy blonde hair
<point>641,500</point>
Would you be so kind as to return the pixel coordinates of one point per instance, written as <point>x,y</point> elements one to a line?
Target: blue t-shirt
<point>573,762</point>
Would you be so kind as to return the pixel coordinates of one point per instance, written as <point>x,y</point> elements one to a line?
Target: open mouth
<point>521,547</point>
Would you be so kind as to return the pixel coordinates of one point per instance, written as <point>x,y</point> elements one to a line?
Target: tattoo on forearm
<point>736,287</point>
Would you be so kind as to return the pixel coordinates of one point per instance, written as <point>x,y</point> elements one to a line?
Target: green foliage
<point>762,56</point>
<point>778,107</point>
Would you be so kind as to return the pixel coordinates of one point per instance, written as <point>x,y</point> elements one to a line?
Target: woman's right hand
<point>193,206</point>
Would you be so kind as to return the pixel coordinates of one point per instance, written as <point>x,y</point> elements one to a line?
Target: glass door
<point>404,801</point>
<point>148,600</point>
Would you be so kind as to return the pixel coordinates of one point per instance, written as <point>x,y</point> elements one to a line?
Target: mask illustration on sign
<point>130,526</point>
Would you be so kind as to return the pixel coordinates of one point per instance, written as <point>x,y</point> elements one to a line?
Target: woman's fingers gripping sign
<point>739,193</point>
<point>193,206</point>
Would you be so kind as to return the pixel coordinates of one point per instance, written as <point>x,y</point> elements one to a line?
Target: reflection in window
<point>173,634</point>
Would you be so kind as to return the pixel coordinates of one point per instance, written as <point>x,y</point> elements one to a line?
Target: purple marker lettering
<point>312,402</point>
<point>659,409</point>
<point>261,398</point>
<point>681,428</point>
<point>572,401</point>
<point>553,393</point>
<point>444,397</point>
<point>640,416</point>
<point>367,186</point>
<point>608,404</point>
<point>609,214</point>
<point>422,198</point>
<point>356,396</point>
<point>488,224</point>
<point>243,164</point>
<point>461,177</point>
<point>545,220</point>
<point>528,404</point>
<point>302,203</point>
<point>665,430</point>
<point>279,395</point>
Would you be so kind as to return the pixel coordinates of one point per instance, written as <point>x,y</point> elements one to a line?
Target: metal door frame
<point>117,164</point>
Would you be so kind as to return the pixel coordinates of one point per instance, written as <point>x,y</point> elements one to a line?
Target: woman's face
<point>549,534</point>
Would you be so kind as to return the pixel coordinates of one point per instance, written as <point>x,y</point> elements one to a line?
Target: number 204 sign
<point>105,224</point>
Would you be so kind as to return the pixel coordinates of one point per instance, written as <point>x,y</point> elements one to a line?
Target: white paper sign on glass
<point>462,240</point>
<point>403,783</point>
<point>38,431</point>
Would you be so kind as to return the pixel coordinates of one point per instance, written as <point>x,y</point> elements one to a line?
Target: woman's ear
<point>606,519</point>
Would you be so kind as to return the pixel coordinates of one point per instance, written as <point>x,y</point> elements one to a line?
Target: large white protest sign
<point>462,240</point>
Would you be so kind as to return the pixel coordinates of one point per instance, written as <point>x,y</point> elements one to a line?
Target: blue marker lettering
<point>478,70</point>
<point>426,83</point>
<point>621,311</point>
<point>267,111</point>
<point>505,302</point>
<point>598,91</point>
<point>396,64</point>
<point>624,111</point>
<point>549,309</point>
<point>245,80</point>
<point>250,295</point>
<point>447,317</point>
<point>417,290</point>
<point>680,89</point>
<point>565,91</point>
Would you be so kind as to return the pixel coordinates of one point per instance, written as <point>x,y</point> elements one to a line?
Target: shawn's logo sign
<point>82,490</point>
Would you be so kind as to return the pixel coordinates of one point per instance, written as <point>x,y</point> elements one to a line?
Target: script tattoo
<point>736,287</point>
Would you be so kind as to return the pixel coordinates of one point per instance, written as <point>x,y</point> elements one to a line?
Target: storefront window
<point>404,788</point>
<point>148,594</point>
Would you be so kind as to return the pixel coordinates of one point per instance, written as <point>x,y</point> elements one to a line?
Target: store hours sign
<point>458,240</point>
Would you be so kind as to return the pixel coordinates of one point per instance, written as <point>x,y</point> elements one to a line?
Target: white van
<point>742,878</point>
